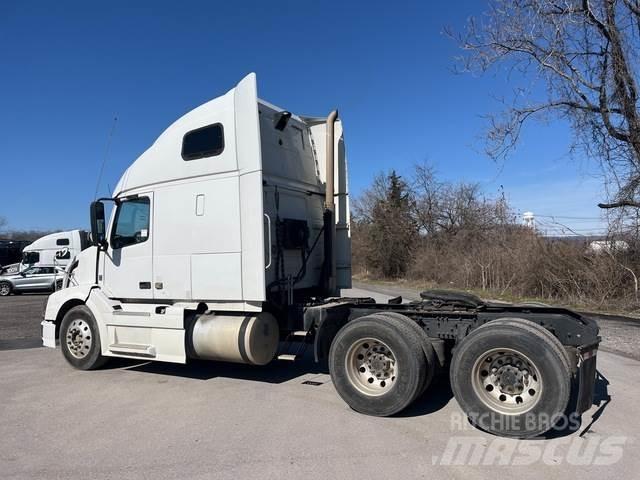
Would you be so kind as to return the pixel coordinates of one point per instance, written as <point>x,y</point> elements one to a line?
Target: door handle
<point>144,285</point>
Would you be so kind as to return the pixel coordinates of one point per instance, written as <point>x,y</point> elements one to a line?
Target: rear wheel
<point>377,365</point>
<point>80,339</point>
<point>5,289</point>
<point>511,378</point>
<point>425,343</point>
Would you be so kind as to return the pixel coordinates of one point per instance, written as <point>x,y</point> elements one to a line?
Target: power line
<point>565,217</point>
<point>106,154</point>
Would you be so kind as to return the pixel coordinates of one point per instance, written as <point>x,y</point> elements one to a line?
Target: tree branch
<point>622,203</point>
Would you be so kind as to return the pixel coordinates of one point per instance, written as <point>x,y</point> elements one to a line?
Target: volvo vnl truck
<point>229,240</point>
<point>52,250</point>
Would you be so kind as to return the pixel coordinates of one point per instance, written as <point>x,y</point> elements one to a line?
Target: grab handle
<point>269,244</point>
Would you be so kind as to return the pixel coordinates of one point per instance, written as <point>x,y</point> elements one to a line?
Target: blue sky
<point>68,68</point>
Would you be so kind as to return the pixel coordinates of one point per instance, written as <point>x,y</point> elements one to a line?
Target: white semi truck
<point>229,241</point>
<point>56,249</point>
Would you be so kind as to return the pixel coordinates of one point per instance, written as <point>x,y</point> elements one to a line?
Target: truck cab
<point>227,211</point>
<point>56,249</point>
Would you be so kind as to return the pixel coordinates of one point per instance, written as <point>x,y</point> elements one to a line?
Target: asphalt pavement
<point>215,420</point>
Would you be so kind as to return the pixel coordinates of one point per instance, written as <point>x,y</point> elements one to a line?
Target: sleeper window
<point>203,142</point>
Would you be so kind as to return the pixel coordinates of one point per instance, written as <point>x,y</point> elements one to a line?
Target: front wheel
<point>377,365</point>
<point>80,339</point>
<point>511,378</point>
<point>5,289</point>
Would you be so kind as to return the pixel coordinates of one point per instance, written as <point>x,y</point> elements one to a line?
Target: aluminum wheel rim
<point>506,381</point>
<point>371,367</point>
<point>79,338</point>
<point>4,289</point>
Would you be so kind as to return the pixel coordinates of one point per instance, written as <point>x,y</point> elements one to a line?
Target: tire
<point>5,289</point>
<point>80,339</point>
<point>425,342</point>
<point>512,378</point>
<point>392,377</point>
<point>529,325</point>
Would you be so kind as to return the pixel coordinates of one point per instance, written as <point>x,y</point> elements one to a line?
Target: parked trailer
<point>11,252</point>
<point>230,241</point>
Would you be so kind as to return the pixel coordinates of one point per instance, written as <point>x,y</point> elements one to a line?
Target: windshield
<point>30,258</point>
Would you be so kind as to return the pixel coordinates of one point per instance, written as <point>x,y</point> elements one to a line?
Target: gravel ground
<point>20,317</point>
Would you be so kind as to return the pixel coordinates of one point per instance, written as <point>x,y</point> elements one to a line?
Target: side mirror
<point>98,229</point>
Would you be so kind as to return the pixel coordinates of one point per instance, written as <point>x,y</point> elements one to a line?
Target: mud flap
<point>586,377</point>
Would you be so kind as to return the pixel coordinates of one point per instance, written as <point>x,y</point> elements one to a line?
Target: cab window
<point>131,223</point>
<point>30,257</point>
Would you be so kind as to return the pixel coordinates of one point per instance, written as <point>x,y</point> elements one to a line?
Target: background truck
<point>229,240</point>
<point>53,250</point>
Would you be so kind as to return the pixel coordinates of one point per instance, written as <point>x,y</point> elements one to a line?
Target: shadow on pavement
<point>437,396</point>
<point>601,400</point>
<point>275,372</point>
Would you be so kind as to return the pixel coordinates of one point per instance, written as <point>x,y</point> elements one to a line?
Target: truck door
<point>128,260</point>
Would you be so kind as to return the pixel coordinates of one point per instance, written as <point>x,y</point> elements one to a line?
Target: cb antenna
<point>106,155</point>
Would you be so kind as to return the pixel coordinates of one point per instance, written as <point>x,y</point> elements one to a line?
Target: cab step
<point>289,357</point>
<point>133,349</point>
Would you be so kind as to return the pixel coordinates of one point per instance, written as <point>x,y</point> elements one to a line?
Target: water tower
<point>529,219</point>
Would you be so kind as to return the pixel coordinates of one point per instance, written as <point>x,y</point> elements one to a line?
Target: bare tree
<point>453,207</point>
<point>585,54</point>
<point>384,213</point>
<point>444,234</point>
<point>3,223</point>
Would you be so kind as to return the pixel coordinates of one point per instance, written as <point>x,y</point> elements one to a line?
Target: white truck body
<point>56,249</point>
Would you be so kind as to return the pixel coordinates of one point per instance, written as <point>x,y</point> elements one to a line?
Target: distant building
<point>607,246</point>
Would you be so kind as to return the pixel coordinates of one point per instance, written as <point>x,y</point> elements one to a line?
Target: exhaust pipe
<point>329,204</point>
<point>328,198</point>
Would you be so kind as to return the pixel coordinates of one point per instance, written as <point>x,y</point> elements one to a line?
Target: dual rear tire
<point>511,377</point>
<point>379,365</point>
